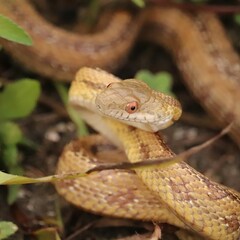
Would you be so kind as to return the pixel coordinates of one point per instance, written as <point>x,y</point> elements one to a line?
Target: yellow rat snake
<point>180,195</point>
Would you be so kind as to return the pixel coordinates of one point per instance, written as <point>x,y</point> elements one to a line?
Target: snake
<point>129,114</point>
<point>210,68</point>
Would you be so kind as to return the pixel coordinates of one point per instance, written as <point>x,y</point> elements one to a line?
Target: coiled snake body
<point>211,68</point>
<point>181,195</point>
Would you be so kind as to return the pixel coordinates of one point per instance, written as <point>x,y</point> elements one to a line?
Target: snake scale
<point>207,62</point>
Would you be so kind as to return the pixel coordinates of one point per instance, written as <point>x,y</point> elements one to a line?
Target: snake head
<point>135,103</point>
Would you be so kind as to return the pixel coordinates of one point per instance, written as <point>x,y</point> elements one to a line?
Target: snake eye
<point>109,85</point>
<point>131,107</point>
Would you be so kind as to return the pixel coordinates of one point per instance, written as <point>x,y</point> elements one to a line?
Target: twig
<point>81,230</point>
<point>163,161</point>
<point>51,103</point>
<point>203,122</point>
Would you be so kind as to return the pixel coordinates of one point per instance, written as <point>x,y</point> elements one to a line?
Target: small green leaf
<point>11,31</point>
<point>7,229</point>
<point>28,143</point>
<point>10,156</point>
<point>92,13</point>
<point>237,18</point>
<point>10,133</point>
<point>160,81</point>
<point>13,168</point>
<point>10,136</point>
<point>14,189</point>
<point>18,99</point>
<point>139,3</point>
<point>12,193</point>
<point>47,234</point>
<point>11,179</point>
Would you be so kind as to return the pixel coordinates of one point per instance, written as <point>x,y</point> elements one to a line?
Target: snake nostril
<point>109,85</point>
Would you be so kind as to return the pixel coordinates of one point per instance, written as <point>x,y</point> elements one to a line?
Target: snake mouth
<point>150,123</point>
<point>154,126</point>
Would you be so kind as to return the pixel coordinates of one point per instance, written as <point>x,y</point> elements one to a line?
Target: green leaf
<point>10,133</point>
<point>93,11</point>
<point>237,18</point>
<point>7,229</point>
<point>47,234</point>
<point>12,193</point>
<point>14,189</point>
<point>139,3</point>
<point>18,99</point>
<point>10,136</point>
<point>10,156</point>
<point>81,126</point>
<point>11,31</point>
<point>11,179</point>
<point>28,143</point>
<point>160,81</point>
